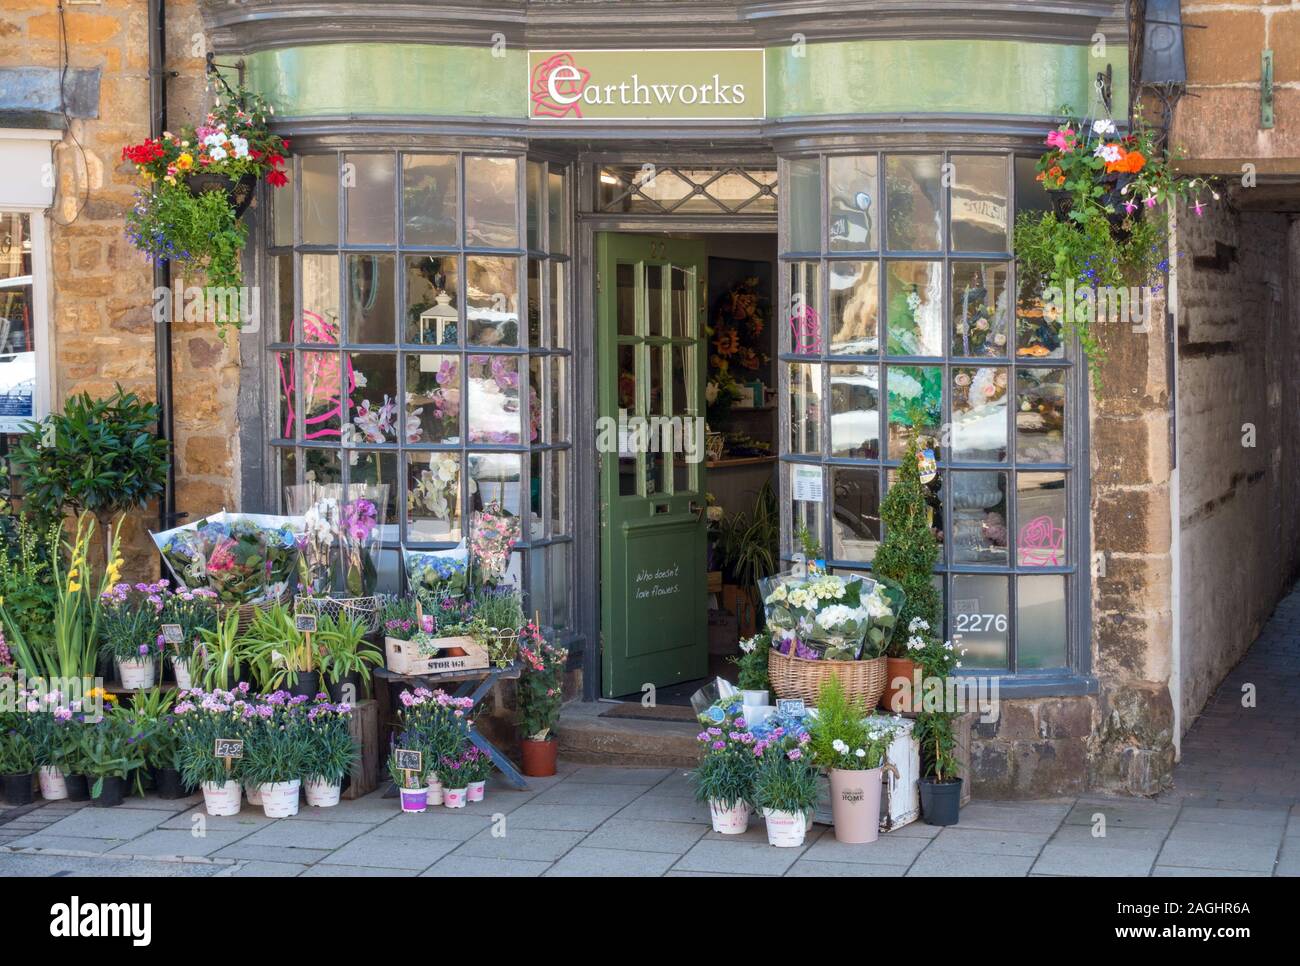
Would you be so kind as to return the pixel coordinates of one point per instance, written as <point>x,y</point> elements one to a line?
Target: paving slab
<point>988,841</point>
<point>1229,832</point>
<point>457,866</point>
<point>582,818</point>
<point>174,843</point>
<point>1123,814</point>
<point>305,835</point>
<point>1094,860</point>
<point>271,853</point>
<point>818,869</point>
<point>1115,838</point>
<point>355,871</point>
<point>436,823</point>
<point>72,844</point>
<point>1208,854</point>
<point>1264,817</point>
<point>888,850</point>
<point>1014,816</point>
<point>644,835</point>
<point>248,819</point>
<point>262,870</point>
<point>43,866</point>
<point>611,862</point>
<point>951,863</point>
<point>613,775</point>
<point>534,844</point>
<point>583,793</point>
<point>734,857</point>
<point>109,823</point>
<point>1173,871</point>
<point>377,851</point>
<point>674,808</point>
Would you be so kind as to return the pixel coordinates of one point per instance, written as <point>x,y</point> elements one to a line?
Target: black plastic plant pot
<point>17,788</point>
<point>940,801</point>
<point>167,783</point>
<point>78,788</point>
<point>347,688</point>
<point>111,793</point>
<point>238,193</point>
<point>308,683</point>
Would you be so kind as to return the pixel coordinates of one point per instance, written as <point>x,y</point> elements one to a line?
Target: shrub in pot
<point>724,778</point>
<point>329,752</point>
<point>275,752</point>
<point>540,697</point>
<point>113,753</point>
<point>854,750</point>
<point>201,719</point>
<point>17,761</point>
<point>785,791</point>
<point>940,783</point>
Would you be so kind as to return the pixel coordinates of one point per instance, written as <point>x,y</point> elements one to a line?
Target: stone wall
<point>1239,425</point>
<point>102,310</point>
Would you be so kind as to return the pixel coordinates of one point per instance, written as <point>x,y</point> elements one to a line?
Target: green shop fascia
<point>501,228</point>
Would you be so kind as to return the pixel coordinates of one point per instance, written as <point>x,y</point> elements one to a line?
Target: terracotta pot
<point>900,696</point>
<point>855,805</point>
<point>538,757</point>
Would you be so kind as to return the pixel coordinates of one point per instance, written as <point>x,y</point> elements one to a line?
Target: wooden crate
<point>403,657</point>
<point>364,726</point>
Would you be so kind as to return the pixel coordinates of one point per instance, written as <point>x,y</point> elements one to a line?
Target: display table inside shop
<point>474,684</point>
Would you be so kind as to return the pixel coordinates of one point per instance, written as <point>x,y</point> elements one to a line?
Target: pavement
<point>611,821</point>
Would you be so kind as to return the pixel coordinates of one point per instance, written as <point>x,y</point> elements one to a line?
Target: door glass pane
<point>371,314</point>
<point>282,297</point>
<point>855,317</point>
<point>282,214</point>
<point>979,203</point>
<point>433,395</point>
<point>628,398</point>
<point>978,611</point>
<point>805,407</point>
<point>535,413</point>
<point>1040,415</point>
<point>803,330</point>
<point>914,308</point>
<point>559,492</point>
<point>685,321</point>
<point>432,299</point>
<point>494,410</point>
<point>979,519</point>
<point>538,470</point>
<point>372,398</point>
<point>979,414</point>
<point>803,188</point>
<point>557,212</point>
<point>1040,621</point>
<point>915,396</point>
<point>285,385</point>
<point>496,478</point>
<point>534,303</point>
<point>321,382</point>
<point>855,411</point>
<point>371,198</point>
<point>855,523</point>
<point>854,203</point>
<point>287,460</point>
<point>625,298</point>
<point>534,175</point>
<point>684,379</point>
<point>433,499</point>
<point>320,299</point>
<point>430,199</point>
<point>1040,517</point>
<point>913,202</point>
<point>933,494</point>
<point>492,300</point>
<point>557,304</point>
<point>320,199</point>
<point>657,380</point>
<point>654,300</point>
<point>559,399</point>
<point>491,199</point>
<point>560,556</point>
<point>979,308</point>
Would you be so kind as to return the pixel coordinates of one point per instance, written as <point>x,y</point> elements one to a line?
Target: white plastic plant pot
<point>254,795</point>
<point>181,668</point>
<point>729,821</point>
<point>321,794</point>
<point>222,798</point>
<point>53,786</point>
<point>753,699</point>
<point>435,792</point>
<point>280,799</point>
<point>476,791</point>
<point>785,830</point>
<point>455,797</point>
<point>136,674</point>
<point>414,799</point>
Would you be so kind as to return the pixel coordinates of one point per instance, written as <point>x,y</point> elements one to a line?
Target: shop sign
<point>633,85</point>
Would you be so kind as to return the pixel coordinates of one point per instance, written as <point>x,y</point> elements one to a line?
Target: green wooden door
<point>651,347</point>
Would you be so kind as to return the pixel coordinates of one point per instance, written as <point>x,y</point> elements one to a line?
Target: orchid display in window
<point>360,523</point>
<point>494,402</point>
<point>493,535</point>
<point>318,539</point>
<point>437,489</point>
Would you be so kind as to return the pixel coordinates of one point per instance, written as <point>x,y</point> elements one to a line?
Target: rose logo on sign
<point>556,87</point>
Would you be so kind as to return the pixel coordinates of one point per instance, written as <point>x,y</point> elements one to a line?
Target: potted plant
<point>752,679</point>
<point>196,185</point>
<point>907,556</point>
<point>329,752</point>
<point>46,729</point>
<point>129,628</point>
<point>275,753</point>
<point>478,768</point>
<point>493,535</point>
<point>453,776</point>
<point>724,778</point>
<point>360,526</point>
<point>435,723</point>
<point>940,783</point>
<point>280,654</point>
<point>17,761</point>
<point>540,697</point>
<point>223,653</point>
<point>151,712</point>
<point>112,752</point>
<point>202,718</point>
<point>785,791</point>
<point>195,612</point>
<point>854,750</point>
<point>347,660</point>
<point>411,786</point>
<point>497,619</point>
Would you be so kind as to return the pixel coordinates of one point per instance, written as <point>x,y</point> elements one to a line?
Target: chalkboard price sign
<point>173,633</point>
<point>305,623</point>
<point>408,760</point>
<point>229,748</point>
<point>792,707</point>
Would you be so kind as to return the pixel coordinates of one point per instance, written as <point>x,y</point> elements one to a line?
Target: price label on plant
<point>229,748</point>
<point>305,623</point>
<point>408,760</point>
<point>791,707</point>
<point>173,633</point>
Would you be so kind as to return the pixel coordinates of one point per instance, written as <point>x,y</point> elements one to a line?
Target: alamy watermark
<point>208,303</point>
<point>1087,304</point>
<point>632,435</point>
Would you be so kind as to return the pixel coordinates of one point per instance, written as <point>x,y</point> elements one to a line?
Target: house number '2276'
<point>980,622</point>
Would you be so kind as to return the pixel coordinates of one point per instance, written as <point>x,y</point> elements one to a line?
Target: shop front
<point>505,252</point>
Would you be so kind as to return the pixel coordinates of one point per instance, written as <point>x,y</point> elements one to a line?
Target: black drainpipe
<point>162,336</point>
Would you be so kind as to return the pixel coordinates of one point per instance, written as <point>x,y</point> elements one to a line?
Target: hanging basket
<point>798,677</point>
<point>238,193</point>
<point>363,610</point>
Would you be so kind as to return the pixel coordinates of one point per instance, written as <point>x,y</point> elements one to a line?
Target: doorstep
<point>587,738</point>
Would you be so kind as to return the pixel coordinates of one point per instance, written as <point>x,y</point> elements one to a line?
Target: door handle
<point>699,509</point>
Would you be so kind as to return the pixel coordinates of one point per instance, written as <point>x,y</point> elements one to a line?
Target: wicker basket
<point>246,610</point>
<point>363,610</point>
<point>798,677</point>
